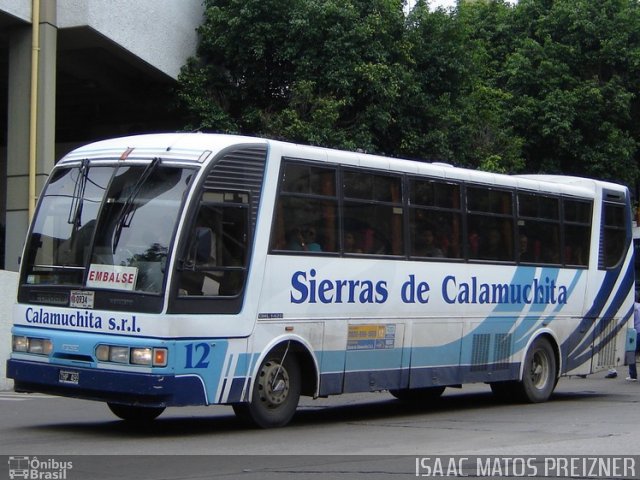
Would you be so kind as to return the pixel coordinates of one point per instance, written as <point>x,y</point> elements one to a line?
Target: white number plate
<point>80,299</point>
<point>69,376</point>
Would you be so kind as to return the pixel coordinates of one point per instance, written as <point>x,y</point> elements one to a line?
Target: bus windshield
<point>106,226</point>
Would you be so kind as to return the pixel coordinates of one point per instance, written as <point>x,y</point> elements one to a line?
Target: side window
<point>490,224</point>
<point>614,233</point>
<point>373,213</point>
<point>435,222</point>
<point>538,229</point>
<point>306,217</point>
<point>577,232</point>
<point>215,261</point>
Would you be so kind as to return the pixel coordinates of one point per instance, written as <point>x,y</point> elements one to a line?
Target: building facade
<point>103,68</point>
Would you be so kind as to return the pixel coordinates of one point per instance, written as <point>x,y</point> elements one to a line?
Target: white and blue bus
<point>199,269</point>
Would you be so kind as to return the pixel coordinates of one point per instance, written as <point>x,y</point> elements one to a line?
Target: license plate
<point>81,299</point>
<point>69,376</point>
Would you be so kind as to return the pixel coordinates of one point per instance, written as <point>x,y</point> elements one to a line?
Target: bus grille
<point>502,351</point>
<point>607,355</point>
<point>240,170</point>
<point>481,350</point>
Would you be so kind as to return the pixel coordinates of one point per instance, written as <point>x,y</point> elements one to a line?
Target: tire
<point>135,414</point>
<point>540,372</point>
<point>276,392</point>
<point>418,395</point>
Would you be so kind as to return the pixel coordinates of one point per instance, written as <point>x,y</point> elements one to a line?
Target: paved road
<point>592,416</point>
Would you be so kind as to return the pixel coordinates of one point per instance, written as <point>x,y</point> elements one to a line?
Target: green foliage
<point>544,86</point>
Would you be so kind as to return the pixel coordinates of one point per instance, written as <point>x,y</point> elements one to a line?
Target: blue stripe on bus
<point>582,349</point>
<point>373,359</point>
<point>580,340</point>
<point>332,360</point>
<point>236,389</point>
<point>244,363</point>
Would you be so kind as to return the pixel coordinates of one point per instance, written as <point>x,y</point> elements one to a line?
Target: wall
<point>159,32</point>
<point>8,290</point>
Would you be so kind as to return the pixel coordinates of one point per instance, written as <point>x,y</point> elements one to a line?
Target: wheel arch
<point>298,346</point>
<point>551,337</point>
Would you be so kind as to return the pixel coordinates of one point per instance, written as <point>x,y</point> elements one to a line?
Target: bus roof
<point>182,146</point>
<point>198,147</point>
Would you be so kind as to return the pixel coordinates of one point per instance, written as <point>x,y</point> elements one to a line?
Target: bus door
<point>374,357</point>
<point>617,283</point>
<point>609,297</point>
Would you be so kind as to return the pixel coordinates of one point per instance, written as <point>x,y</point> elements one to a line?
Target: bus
<point>198,269</point>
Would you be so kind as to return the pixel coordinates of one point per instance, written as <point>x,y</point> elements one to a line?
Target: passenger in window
<point>310,240</point>
<point>552,256</point>
<point>302,240</point>
<point>295,240</point>
<point>350,243</point>
<point>474,244</point>
<point>579,256</point>
<point>427,246</point>
<point>525,254</point>
<point>492,247</point>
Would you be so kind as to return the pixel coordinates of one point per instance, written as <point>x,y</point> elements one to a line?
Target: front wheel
<point>540,372</point>
<point>135,414</point>
<point>276,392</point>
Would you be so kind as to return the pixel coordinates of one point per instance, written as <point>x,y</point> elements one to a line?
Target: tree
<point>573,77</point>
<point>319,71</point>
<point>543,86</point>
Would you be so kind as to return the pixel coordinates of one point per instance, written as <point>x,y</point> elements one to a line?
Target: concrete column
<point>18,124</point>
<point>17,143</point>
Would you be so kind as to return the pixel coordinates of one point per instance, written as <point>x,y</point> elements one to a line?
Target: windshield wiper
<point>126,214</point>
<point>75,210</point>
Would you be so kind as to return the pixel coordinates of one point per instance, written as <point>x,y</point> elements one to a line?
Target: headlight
<point>141,356</point>
<point>156,357</point>
<point>102,353</point>
<point>40,346</point>
<point>119,354</point>
<point>36,346</point>
<point>146,356</point>
<point>112,353</point>
<point>20,344</point>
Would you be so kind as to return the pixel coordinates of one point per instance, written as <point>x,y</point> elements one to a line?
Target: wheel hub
<point>539,370</point>
<point>273,384</point>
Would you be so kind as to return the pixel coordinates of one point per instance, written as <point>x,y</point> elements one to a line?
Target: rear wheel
<point>276,392</point>
<point>540,372</point>
<point>135,414</point>
<point>539,376</point>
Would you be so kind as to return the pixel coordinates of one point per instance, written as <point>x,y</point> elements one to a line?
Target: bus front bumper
<point>132,388</point>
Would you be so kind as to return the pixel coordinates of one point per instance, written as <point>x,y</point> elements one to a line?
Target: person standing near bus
<point>633,372</point>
